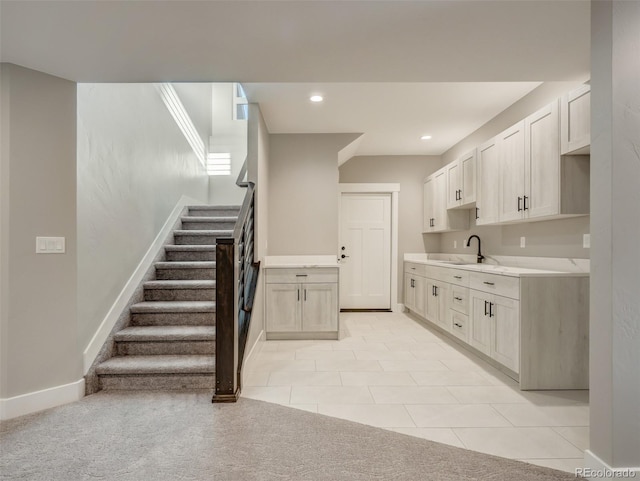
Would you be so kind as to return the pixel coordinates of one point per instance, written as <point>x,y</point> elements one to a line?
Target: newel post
<point>226,389</point>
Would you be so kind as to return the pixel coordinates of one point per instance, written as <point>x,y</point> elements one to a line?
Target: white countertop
<point>507,266</point>
<point>300,261</point>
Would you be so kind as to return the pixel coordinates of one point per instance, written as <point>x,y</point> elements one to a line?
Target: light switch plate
<point>50,245</point>
<point>522,241</point>
<point>455,244</point>
<point>586,241</point>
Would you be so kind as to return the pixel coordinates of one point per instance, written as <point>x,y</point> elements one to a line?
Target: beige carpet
<point>182,436</point>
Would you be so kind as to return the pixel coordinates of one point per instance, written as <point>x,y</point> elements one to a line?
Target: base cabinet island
<point>301,297</point>
<point>532,324</point>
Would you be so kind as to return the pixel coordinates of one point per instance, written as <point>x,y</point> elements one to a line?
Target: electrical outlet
<point>586,241</point>
<point>50,245</point>
<point>464,244</point>
<point>522,241</point>
<point>455,244</point>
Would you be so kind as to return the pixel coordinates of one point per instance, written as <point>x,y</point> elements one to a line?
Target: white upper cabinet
<point>575,121</point>
<point>512,173</point>
<point>536,183</point>
<point>461,182</point>
<point>428,204</point>
<point>534,170</point>
<point>488,186</point>
<point>436,216</point>
<point>542,163</point>
<point>454,179</point>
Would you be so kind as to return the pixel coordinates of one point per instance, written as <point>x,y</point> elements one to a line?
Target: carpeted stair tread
<point>214,207</point>
<point>181,284</point>
<point>141,365</point>
<point>206,219</point>
<point>173,306</point>
<point>166,333</point>
<point>186,265</point>
<point>190,248</point>
<point>204,232</point>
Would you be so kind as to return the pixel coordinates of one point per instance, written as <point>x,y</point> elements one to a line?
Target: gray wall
<point>38,198</point>
<point>258,172</point>
<point>558,238</point>
<point>555,238</point>
<point>408,171</point>
<point>134,165</point>
<point>303,193</point>
<point>615,197</point>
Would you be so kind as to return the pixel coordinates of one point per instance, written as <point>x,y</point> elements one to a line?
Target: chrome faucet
<point>480,256</point>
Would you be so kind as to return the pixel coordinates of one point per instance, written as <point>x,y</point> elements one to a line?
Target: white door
<point>365,251</point>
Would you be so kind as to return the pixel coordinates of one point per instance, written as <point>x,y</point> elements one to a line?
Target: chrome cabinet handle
<point>490,283</point>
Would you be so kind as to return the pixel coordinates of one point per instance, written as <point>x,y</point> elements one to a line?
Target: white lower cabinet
<point>535,329</point>
<point>495,328</point>
<point>437,295</point>
<point>414,289</point>
<point>301,303</point>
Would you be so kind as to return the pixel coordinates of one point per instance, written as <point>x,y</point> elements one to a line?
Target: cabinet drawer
<point>460,326</point>
<point>313,275</point>
<point>417,269</point>
<point>457,277</point>
<point>459,299</point>
<point>500,285</point>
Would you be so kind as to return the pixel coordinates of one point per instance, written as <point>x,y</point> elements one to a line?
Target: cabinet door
<point>454,177</point>
<point>505,342</point>
<point>444,313</point>
<point>319,307</point>
<point>512,173</point>
<point>283,308</point>
<point>480,322</point>
<point>440,202</point>
<point>468,183</point>
<point>575,122</point>
<point>428,207</point>
<point>409,293</point>
<point>432,309</point>
<point>488,186</point>
<point>420,299</point>
<point>542,160</point>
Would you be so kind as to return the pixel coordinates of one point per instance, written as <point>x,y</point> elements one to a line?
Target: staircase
<point>170,343</point>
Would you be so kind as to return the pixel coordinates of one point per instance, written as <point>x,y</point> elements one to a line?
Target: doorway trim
<point>394,190</point>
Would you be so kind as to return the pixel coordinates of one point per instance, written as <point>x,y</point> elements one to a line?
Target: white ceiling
<point>392,116</point>
<point>385,66</point>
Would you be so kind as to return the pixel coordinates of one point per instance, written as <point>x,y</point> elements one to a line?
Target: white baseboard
<point>596,469</point>
<point>101,335</point>
<point>37,401</point>
<point>257,346</point>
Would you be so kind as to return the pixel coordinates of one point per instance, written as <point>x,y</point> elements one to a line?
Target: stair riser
<point>148,348</point>
<point>174,319</point>
<point>217,212</point>
<point>157,382</point>
<point>177,256</point>
<point>190,240</point>
<point>218,225</point>
<point>179,294</point>
<point>185,274</point>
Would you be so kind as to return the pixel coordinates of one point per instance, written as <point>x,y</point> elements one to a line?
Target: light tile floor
<point>393,372</point>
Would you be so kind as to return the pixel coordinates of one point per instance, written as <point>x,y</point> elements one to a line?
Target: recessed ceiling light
<point>425,137</point>
<point>316,98</point>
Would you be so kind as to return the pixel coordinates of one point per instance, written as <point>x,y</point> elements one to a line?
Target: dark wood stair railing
<point>236,281</point>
